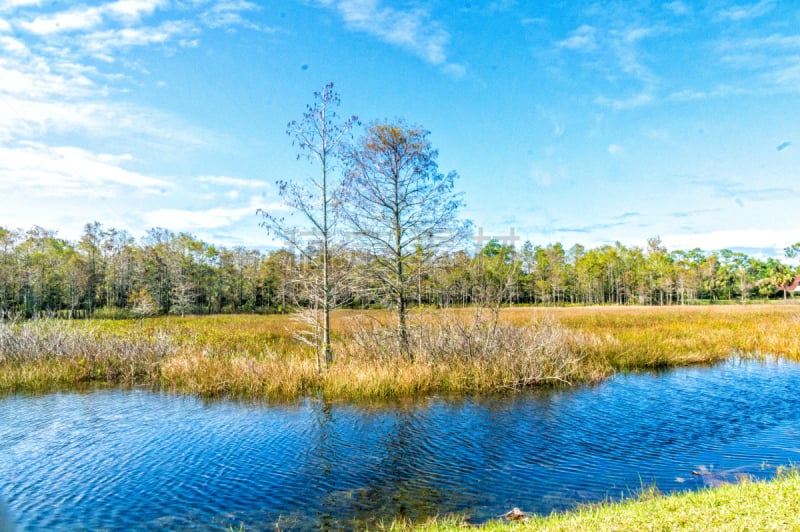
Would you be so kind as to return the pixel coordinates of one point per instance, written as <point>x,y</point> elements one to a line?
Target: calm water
<point>140,460</point>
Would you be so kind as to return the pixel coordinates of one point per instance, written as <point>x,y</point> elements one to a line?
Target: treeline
<point>109,273</point>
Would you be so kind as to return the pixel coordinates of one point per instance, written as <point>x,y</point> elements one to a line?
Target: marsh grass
<point>749,505</point>
<point>47,354</point>
<point>457,351</point>
<point>456,354</point>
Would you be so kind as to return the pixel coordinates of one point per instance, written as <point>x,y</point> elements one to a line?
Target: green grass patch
<point>749,505</point>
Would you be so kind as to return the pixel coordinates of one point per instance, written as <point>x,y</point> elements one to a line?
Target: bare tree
<point>396,200</point>
<point>320,136</point>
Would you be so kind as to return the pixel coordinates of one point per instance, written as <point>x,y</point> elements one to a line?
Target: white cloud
<point>105,42</point>
<point>35,79</point>
<point>65,21</point>
<point>13,46</point>
<point>678,8</point>
<point>720,91</point>
<point>23,118</point>
<point>410,29</point>
<point>211,218</point>
<point>49,90</point>
<point>582,39</point>
<point>787,78</point>
<point>36,169</point>
<point>748,11</point>
<point>229,13</point>
<point>233,181</point>
<point>133,10</point>
<point>7,5</point>
<point>615,149</point>
<point>187,220</point>
<point>631,35</point>
<point>456,70</point>
<point>771,42</point>
<point>767,63</point>
<point>614,50</point>
<point>637,100</point>
<point>88,18</point>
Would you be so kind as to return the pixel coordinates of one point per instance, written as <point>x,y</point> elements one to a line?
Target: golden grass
<point>257,357</point>
<point>638,337</point>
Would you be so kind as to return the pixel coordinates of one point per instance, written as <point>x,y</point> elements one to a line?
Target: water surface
<point>138,460</point>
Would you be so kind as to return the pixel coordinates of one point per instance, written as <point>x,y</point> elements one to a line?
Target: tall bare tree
<point>396,200</point>
<point>320,136</point>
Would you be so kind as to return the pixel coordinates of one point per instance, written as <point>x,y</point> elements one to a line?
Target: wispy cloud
<point>746,11</point>
<point>229,13</point>
<point>37,169</point>
<point>772,61</point>
<point>678,8</point>
<point>690,214</point>
<point>65,21</point>
<point>49,86</point>
<point>734,190</point>
<point>209,218</point>
<point>613,46</point>
<point>233,181</point>
<point>587,229</point>
<point>411,29</point>
<point>631,102</point>
<point>24,118</point>
<point>87,18</point>
<point>721,91</point>
<point>191,220</point>
<point>52,86</point>
<point>763,239</point>
<point>775,41</point>
<point>582,39</point>
<point>134,10</point>
<point>48,82</point>
<point>8,5</point>
<point>103,43</point>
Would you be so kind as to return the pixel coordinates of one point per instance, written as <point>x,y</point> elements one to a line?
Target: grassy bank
<point>773,505</point>
<point>453,352</point>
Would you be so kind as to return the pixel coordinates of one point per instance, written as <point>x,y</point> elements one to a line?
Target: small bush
<point>481,353</point>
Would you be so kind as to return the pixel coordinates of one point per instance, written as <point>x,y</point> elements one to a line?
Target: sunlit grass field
<point>455,351</point>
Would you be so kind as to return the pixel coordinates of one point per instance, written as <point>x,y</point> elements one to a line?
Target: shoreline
<point>749,505</point>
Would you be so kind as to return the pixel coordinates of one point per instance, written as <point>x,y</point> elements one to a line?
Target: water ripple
<point>135,460</point>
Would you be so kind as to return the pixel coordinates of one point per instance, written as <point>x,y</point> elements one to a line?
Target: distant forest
<point>108,273</point>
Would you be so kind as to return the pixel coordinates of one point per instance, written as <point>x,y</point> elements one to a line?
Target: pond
<point>138,460</point>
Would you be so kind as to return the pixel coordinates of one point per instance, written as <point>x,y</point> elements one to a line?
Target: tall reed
<point>46,354</point>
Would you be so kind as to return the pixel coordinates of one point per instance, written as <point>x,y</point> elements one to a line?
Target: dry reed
<point>46,354</point>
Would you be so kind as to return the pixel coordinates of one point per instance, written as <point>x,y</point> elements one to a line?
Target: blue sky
<point>571,121</point>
